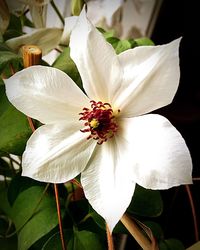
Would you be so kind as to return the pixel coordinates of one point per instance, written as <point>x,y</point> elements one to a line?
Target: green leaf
<point>8,57</point>
<point>4,47</point>
<point>54,242</point>
<point>155,228</point>
<point>36,223</point>
<point>122,46</point>
<point>1,38</point>
<point>107,33</point>
<point>17,185</point>
<point>113,41</point>
<point>85,240</point>
<point>26,22</point>
<point>14,29</point>
<point>146,202</point>
<point>14,127</point>
<point>97,218</point>
<point>144,41</point>
<point>4,204</point>
<point>7,243</point>
<point>171,244</point>
<point>75,240</point>
<point>5,169</point>
<point>66,64</point>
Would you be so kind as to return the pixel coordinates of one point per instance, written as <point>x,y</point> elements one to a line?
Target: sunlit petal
<point>159,153</point>
<point>151,78</point>
<point>56,153</point>
<point>96,60</point>
<point>108,181</point>
<point>46,94</point>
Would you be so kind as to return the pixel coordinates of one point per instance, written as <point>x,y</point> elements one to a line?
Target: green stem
<point>57,12</point>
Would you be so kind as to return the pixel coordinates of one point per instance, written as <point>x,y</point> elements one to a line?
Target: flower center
<point>100,121</point>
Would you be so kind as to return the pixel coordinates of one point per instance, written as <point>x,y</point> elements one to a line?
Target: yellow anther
<point>94,123</point>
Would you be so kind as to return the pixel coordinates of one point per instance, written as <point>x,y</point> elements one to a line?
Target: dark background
<point>180,18</point>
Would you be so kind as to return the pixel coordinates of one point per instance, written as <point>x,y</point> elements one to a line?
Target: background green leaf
<point>75,240</point>
<point>66,64</point>
<point>144,41</point>
<point>5,210</point>
<point>171,244</point>
<point>146,202</point>
<point>34,225</point>
<point>7,57</point>
<point>14,127</point>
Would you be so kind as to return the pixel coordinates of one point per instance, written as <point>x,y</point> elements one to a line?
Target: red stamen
<point>100,121</point>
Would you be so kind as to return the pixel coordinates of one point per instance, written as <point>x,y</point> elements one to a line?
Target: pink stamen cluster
<point>102,114</point>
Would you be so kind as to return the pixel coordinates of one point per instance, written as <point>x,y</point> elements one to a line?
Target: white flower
<point>46,39</point>
<point>106,134</point>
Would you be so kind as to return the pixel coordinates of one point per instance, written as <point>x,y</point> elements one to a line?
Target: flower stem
<point>57,12</point>
<point>109,239</point>
<point>135,231</point>
<point>59,217</point>
<point>196,231</point>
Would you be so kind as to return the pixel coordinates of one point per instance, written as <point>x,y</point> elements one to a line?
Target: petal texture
<point>95,59</point>
<point>150,80</point>
<point>159,153</point>
<point>46,94</point>
<point>108,181</point>
<point>56,153</point>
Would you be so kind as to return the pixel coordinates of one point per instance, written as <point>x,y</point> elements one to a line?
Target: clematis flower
<point>105,134</point>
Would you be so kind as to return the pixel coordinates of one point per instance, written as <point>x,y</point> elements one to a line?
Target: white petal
<point>151,78</point>
<point>39,15</point>
<point>47,39</point>
<point>107,181</point>
<point>96,60</point>
<point>56,153</point>
<point>159,153</point>
<point>70,23</point>
<point>46,94</point>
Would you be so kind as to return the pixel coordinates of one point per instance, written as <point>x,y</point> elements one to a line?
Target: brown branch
<point>109,239</point>
<point>196,231</point>
<point>136,232</point>
<point>59,217</point>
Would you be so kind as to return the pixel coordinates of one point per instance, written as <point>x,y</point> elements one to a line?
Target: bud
<point>76,7</point>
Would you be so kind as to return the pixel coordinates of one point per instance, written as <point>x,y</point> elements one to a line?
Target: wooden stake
<point>31,55</point>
